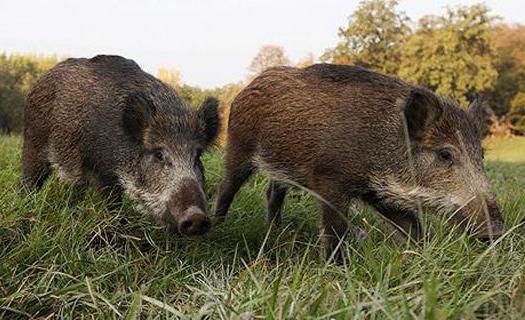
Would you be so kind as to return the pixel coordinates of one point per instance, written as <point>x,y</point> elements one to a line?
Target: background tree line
<point>18,73</point>
<point>460,53</point>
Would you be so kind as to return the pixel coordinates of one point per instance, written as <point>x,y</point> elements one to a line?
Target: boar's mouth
<point>182,210</point>
<point>482,218</point>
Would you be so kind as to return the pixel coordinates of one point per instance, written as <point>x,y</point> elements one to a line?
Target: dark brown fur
<point>339,132</point>
<point>105,121</point>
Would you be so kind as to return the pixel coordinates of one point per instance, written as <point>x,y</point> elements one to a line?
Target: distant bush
<point>517,111</point>
<point>18,73</point>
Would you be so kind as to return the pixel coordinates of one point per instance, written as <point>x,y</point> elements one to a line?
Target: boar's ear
<point>208,118</point>
<point>137,113</point>
<point>479,113</point>
<point>421,109</point>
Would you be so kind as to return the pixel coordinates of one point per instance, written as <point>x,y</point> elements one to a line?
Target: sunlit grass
<point>506,150</point>
<point>72,259</point>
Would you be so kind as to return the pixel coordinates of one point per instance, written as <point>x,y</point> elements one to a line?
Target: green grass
<point>506,150</point>
<point>77,259</point>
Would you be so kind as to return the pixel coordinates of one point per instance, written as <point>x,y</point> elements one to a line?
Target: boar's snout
<point>486,220</point>
<point>193,222</point>
<point>187,209</point>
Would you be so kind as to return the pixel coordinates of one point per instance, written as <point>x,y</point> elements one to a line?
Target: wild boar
<point>344,132</point>
<point>105,122</point>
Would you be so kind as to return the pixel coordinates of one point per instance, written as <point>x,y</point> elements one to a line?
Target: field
<point>74,258</point>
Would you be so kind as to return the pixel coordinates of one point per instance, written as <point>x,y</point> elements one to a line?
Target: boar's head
<point>443,170</point>
<point>168,176</point>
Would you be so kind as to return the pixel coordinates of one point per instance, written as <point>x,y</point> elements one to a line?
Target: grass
<point>76,259</point>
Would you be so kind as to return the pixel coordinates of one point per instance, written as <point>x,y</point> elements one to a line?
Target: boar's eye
<point>446,156</point>
<point>159,155</point>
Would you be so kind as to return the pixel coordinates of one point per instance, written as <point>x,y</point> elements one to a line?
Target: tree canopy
<point>460,53</point>
<point>509,41</point>
<point>170,76</point>
<point>372,38</point>
<point>18,73</point>
<point>267,57</point>
<point>452,54</point>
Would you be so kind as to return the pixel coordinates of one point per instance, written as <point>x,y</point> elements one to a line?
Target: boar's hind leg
<point>275,194</point>
<point>35,167</point>
<point>238,168</point>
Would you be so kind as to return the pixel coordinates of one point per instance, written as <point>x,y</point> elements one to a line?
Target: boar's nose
<point>193,222</point>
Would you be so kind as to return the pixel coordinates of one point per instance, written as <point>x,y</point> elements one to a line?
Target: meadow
<point>64,257</point>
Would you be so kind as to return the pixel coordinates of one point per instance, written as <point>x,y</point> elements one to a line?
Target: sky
<point>210,42</point>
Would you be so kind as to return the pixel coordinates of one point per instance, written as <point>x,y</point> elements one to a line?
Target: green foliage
<point>18,73</point>
<point>510,63</point>
<point>517,111</point>
<point>518,104</point>
<point>64,257</point>
<point>452,54</point>
<point>373,37</point>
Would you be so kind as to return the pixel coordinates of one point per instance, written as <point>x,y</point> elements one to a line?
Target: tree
<point>509,41</point>
<point>517,111</point>
<point>372,38</point>
<point>171,77</point>
<point>452,54</point>
<point>267,57</point>
<point>18,73</point>
<point>226,95</point>
<point>306,61</point>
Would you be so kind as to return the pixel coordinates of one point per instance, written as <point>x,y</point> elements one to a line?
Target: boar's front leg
<point>334,220</point>
<point>275,194</point>
<point>79,188</point>
<point>110,187</point>
<point>406,221</point>
<point>334,230</point>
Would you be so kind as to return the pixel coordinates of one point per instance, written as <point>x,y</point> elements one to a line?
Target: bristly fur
<point>104,119</point>
<point>345,132</point>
